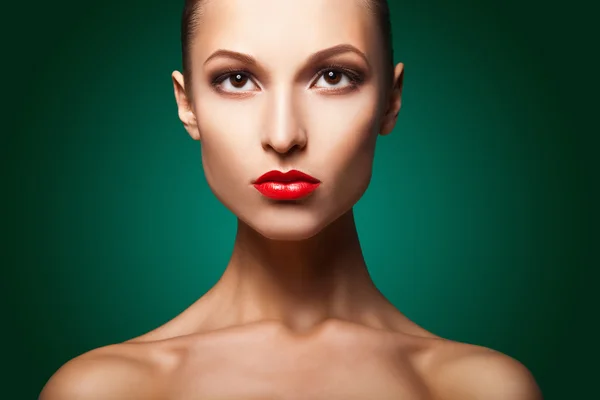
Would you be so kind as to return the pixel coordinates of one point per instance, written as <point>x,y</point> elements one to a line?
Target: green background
<point>478,223</point>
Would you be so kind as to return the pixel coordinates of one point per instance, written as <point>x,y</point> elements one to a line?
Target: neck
<point>299,283</point>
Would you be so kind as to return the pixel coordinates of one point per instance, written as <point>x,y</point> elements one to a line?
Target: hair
<point>193,10</point>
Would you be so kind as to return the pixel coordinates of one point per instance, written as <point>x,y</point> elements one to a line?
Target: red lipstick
<point>291,185</point>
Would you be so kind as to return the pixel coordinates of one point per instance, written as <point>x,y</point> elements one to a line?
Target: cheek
<point>345,133</point>
<point>355,159</point>
<point>226,134</point>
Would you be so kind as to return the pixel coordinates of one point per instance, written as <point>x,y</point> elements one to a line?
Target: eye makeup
<point>221,75</point>
<point>355,76</point>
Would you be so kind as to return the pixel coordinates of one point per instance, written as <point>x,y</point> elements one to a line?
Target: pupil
<point>332,76</point>
<point>239,80</point>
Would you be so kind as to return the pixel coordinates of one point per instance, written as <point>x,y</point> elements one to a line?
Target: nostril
<point>284,148</point>
<point>286,143</point>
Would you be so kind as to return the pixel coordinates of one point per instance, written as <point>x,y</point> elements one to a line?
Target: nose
<point>283,132</point>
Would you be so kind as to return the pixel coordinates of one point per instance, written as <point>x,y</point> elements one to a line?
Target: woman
<point>287,99</point>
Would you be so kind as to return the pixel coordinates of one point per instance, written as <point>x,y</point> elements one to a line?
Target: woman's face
<point>287,85</point>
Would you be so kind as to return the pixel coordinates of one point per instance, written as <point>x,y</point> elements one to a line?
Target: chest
<point>281,371</point>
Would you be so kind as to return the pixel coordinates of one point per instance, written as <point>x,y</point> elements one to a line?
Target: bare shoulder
<point>467,372</point>
<point>116,372</point>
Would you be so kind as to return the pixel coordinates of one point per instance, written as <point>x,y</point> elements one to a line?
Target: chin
<point>292,231</point>
<point>287,225</point>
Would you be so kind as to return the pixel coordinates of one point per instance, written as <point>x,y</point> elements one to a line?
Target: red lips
<point>291,185</point>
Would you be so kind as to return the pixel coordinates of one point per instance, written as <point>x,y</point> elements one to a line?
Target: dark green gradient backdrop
<point>476,224</point>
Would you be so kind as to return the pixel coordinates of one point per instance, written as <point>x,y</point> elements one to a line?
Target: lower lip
<point>286,190</point>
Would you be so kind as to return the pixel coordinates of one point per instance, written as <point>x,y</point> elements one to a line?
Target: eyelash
<point>355,77</point>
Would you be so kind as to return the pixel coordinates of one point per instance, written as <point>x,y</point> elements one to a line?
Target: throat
<point>300,284</point>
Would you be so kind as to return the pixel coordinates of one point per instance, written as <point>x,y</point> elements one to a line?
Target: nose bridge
<point>284,128</point>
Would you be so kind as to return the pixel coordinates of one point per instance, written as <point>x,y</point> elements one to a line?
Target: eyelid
<point>218,80</point>
<point>355,76</point>
<point>228,72</point>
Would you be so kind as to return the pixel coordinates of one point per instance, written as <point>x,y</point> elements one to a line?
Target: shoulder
<point>463,371</point>
<point>112,372</point>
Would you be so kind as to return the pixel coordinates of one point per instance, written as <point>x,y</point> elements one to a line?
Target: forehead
<point>286,28</point>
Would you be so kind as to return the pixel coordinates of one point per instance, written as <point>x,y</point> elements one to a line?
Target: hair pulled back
<point>192,11</point>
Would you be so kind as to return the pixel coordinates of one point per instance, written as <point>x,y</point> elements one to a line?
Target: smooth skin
<point>295,314</point>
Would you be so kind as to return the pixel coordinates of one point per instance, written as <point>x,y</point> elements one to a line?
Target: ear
<point>184,106</point>
<point>394,101</point>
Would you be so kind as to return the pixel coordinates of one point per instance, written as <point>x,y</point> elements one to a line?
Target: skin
<point>295,314</point>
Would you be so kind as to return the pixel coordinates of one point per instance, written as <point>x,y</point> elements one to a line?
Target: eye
<point>336,78</point>
<point>235,82</point>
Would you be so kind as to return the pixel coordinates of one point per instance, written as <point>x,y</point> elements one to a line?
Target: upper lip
<point>290,176</point>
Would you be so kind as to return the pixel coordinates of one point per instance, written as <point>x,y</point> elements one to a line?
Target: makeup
<point>291,185</point>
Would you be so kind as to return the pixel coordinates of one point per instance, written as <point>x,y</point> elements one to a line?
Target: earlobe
<point>394,101</point>
<point>184,106</point>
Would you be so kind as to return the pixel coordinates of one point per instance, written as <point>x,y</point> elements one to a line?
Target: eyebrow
<point>313,58</point>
